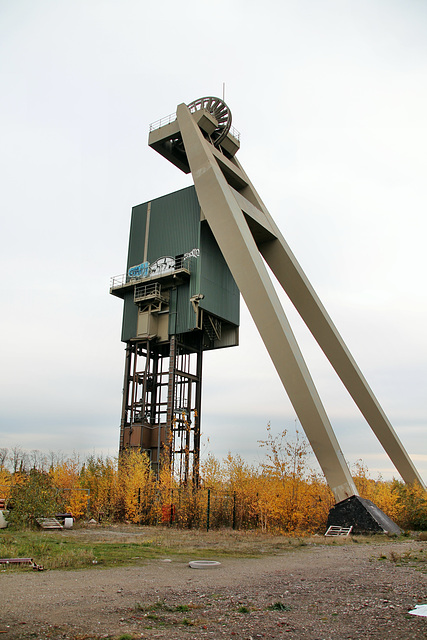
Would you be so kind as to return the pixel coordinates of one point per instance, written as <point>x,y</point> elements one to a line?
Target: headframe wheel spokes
<point>220,112</point>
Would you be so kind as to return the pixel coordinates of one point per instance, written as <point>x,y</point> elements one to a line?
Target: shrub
<point>33,496</point>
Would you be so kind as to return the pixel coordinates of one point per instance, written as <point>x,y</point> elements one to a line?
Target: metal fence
<point>208,509</point>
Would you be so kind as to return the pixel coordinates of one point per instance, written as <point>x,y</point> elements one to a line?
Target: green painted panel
<point>130,317</point>
<point>185,317</point>
<point>174,229</point>
<point>222,297</point>
<point>174,224</point>
<point>137,235</point>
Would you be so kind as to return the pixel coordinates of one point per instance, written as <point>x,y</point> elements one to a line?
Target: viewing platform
<point>120,284</point>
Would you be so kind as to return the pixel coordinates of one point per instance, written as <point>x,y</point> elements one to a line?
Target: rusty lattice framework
<point>162,404</point>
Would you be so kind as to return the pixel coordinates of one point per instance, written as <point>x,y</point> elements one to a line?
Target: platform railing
<point>172,117</point>
<point>116,282</point>
<point>146,291</point>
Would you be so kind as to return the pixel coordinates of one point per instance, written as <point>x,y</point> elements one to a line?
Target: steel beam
<point>245,231</point>
<point>295,283</point>
<point>232,233</point>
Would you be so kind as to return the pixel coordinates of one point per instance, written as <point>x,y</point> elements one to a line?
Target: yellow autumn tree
<point>380,492</point>
<point>243,483</point>
<point>165,505</point>
<point>66,477</point>
<point>411,505</point>
<point>99,477</point>
<point>135,491</point>
<point>286,470</point>
<point>6,479</point>
<point>211,472</point>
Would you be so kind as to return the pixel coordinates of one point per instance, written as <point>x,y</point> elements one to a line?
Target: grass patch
<point>121,545</point>
<point>187,623</point>
<point>161,605</point>
<point>279,606</point>
<point>162,614</point>
<point>59,550</point>
<point>47,549</point>
<point>413,558</point>
<point>121,636</point>
<point>243,609</point>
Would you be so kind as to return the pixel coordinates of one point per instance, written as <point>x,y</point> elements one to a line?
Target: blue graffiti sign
<point>139,271</point>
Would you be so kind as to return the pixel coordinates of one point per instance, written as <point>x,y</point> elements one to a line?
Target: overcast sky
<point>330,97</point>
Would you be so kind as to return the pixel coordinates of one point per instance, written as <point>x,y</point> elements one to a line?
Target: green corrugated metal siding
<point>222,296</point>
<point>135,256</point>
<point>185,318</point>
<point>174,224</point>
<point>137,235</point>
<point>175,229</point>
<point>130,317</point>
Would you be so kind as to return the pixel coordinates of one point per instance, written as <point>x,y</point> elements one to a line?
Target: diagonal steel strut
<point>245,231</point>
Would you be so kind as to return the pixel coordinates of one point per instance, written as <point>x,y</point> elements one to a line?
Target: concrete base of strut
<point>363,515</point>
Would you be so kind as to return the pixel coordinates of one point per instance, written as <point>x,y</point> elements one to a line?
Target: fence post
<point>171,508</point>
<point>208,510</point>
<point>234,509</point>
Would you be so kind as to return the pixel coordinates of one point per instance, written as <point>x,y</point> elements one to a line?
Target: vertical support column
<point>169,433</point>
<point>125,399</point>
<point>197,412</point>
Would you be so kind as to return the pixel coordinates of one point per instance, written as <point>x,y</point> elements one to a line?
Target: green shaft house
<point>179,300</point>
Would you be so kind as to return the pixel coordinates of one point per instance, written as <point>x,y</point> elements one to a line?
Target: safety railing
<point>172,117</point>
<point>181,264</point>
<point>162,122</point>
<point>119,281</point>
<point>235,133</point>
<point>148,291</point>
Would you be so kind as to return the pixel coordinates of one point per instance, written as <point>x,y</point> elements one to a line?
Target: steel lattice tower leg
<point>162,405</point>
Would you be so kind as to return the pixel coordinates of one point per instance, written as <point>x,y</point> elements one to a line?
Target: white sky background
<point>330,98</point>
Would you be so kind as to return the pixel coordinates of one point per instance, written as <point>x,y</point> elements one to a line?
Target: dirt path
<point>325,592</point>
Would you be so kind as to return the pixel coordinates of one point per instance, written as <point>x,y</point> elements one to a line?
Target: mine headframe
<point>180,300</point>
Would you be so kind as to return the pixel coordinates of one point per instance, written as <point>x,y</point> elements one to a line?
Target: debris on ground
<point>420,610</point>
<point>30,561</point>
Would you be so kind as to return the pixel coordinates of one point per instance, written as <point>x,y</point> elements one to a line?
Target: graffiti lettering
<point>161,265</point>
<point>195,253</point>
<point>139,271</point>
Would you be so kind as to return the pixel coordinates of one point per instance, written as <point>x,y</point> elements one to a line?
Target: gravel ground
<point>324,592</point>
